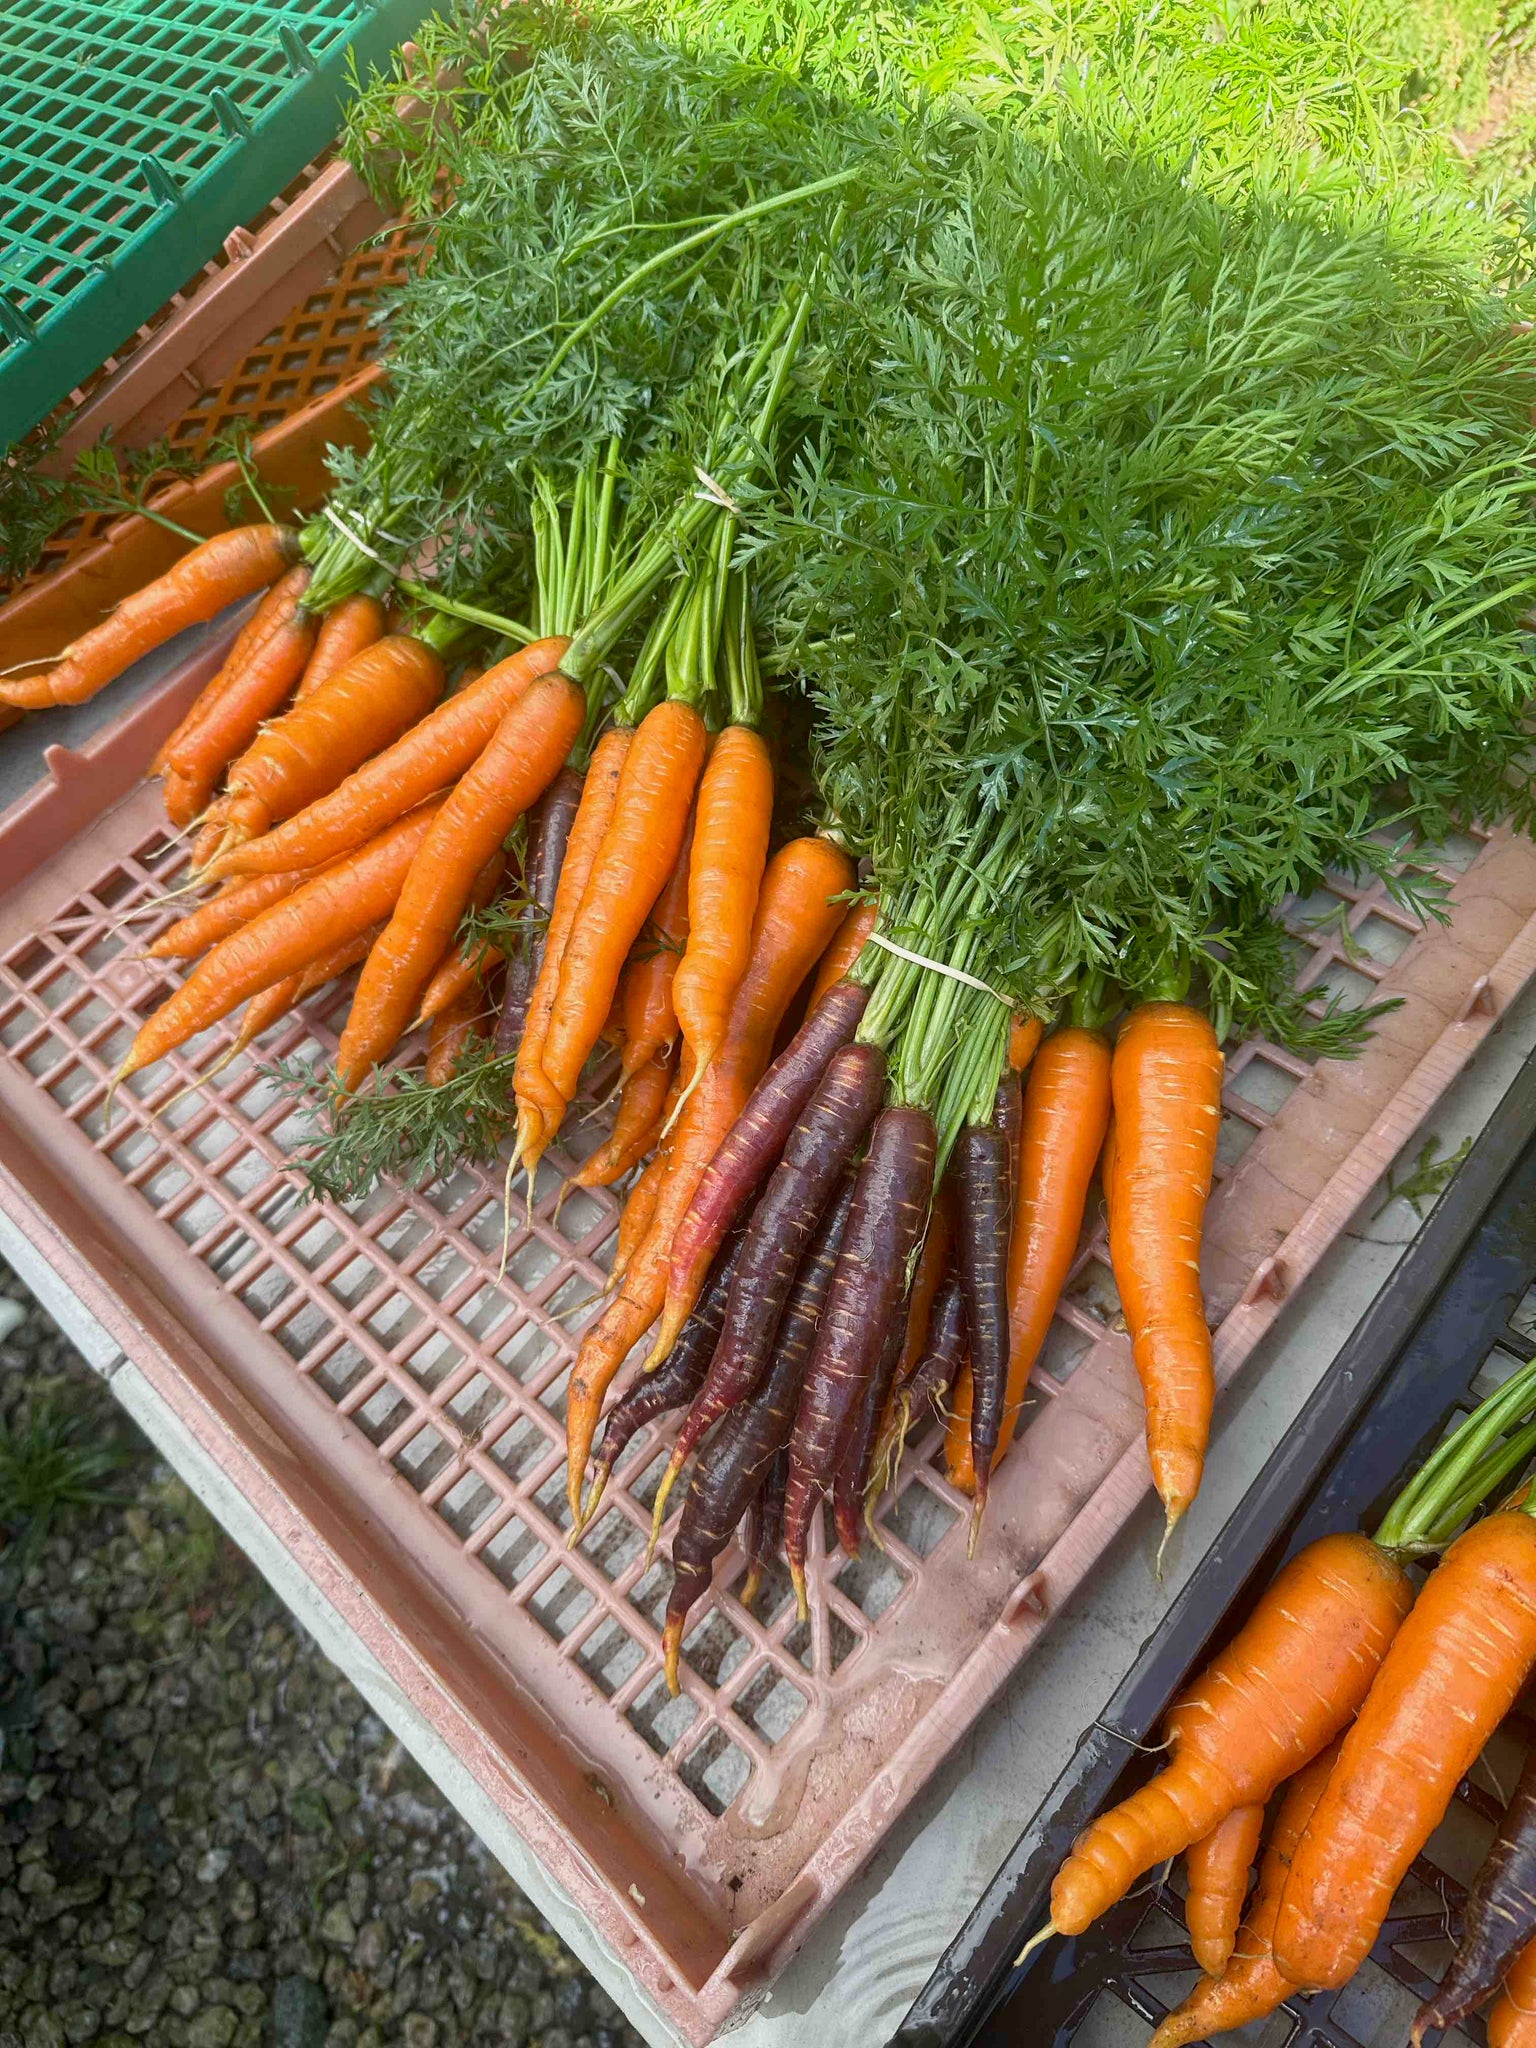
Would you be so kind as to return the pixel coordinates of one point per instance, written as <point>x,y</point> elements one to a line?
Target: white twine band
<point>717,494</point>
<point>356,539</point>
<point>939,967</point>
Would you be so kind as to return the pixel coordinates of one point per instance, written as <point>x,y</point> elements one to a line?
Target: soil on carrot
<point>206,1838</point>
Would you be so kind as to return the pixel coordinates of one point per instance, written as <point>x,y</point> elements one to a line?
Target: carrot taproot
<point>793,922</point>
<point>231,723</point>
<point>639,850</point>
<point>1165,1079</point>
<point>730,850</point>
<point>1512,2016</point>
<point>636,1127</point>
<point>463,965</point>
<point>523,757</point>
<point>236,904</point>
<point>274,1003</point>
<point>347,628</point>
<point>650,1394</point>
<point>1219,1865</point>
<point>1250,1987</point>
<point>451,1031</point>
<point>552,823</point>
<point>890,1207</point>
<point>214,574</point>
<point>922,1391</point>
<point>635,1217</point>
<point>424,761</point>
<point>583,841</point>
<point>646,991</point>
<point>1289,1680</point>
<point>766,1534</point>
<point>819,1151</point>
<point>1024,1036</point>
<point>1499,1917</point>
<point>729,1476</point>
<point>1066,1110</point>
<point>749,1151</point>
<point>330,908</point>
<point>1453,1672</point>
<point>354,713</point>
<point>848,942</point>
<point>981,1166</point>
<point>275,607</point>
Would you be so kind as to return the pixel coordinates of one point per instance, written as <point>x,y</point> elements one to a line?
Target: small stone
<point>419,2031</point>
<point>336,1926</point>
<point>214,2027</point>
<point>299,2015</point>
<point>371,1946</point>
<point>185,1999</point>
<point>212,1866</point>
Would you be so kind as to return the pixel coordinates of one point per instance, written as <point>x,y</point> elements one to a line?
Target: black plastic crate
<point>1457,1316</point>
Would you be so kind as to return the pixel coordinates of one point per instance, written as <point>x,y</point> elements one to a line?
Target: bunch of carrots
<point>1347,1708</point>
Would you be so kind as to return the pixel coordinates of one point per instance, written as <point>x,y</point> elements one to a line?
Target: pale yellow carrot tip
<point>797,1580</point>
<point>1175,1515</point>
<point>681,1103</point>
<point>978,1509</point>
<point>595,1493</point>
<point>573,1499</point>
<point>751,1586</point>
<point>668,1481</point>
<point>671,1645</point>
<point>199,1080</point>
<point>1034,1942</point>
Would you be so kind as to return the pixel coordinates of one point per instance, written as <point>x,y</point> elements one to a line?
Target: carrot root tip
<point>668,1481</point>
<point>797,1580</point>
<point>1034,1942</point>
<point>1175,1515</point>
<point>752,1585</point>
<point>671,1647</point>
<point>978,1509</point>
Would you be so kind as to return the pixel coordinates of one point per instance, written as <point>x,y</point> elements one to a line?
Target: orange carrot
<point>1066,1108</point>
<point>1219,1865</point>
<point>524,756</point>
<point>273,609</point>
<point>635,1217</point>
<point>847,944</point>
<point>636,1127</point>
<point>796,917</point>
<point>638,852</point>
<point>183,799</point>
<point>646,992</point>
<point>1452,1674</point>
<point>598,793</point>
<point>1512,2016</point>
<point>216,573</point>
<point>1024,1038</point>
<point>1166,1081</point>
<point>464,965</point>
<point>424,761</point>
<point>236,904</point>
<point>302,756</point>
<point>730,850</point>
<point>255,693</point>
<point>210,835</point>
<point>323,912</point>
<point>1250,1987</point>
<point>345,631</point>
<point>1289,1680</point>
<point>452,1029</point>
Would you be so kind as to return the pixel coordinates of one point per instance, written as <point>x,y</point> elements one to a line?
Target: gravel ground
<point>206,1839</point>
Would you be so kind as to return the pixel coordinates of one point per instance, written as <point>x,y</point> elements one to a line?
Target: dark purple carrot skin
<point>1008,1117</point>
<point>818,1153</point>
<point>1499,1917</point>
<point>752,1437</point>
<point>890,1208</point>
<point>752,1145</point>
<point>857,1462</point>
<point>981,1257</point>
<point>552,823</point>
<point>674,1383</point>
<point>934,1373</point>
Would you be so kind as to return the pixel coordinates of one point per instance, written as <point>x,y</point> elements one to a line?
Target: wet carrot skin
<point>890,1208</point>
<point>1499,1917</point>
<point>1280,1691</point>
<point>1455,1669</point>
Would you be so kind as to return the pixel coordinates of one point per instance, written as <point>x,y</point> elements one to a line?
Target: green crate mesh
<point>134,135</point>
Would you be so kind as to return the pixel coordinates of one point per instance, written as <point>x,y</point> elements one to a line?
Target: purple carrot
<point>981,1257</point>
<point>858,1457</point>
<point>552,823</point>
<point>739,1457</point>
<point>920,1395</point>
<point>1008,1117</point>
<point>751,1147</point>
<point>1499,1917</point>
<point>651,1394</point>
<point>890,1208</point>
<point>818,1153</point>
<point>767,1528</point>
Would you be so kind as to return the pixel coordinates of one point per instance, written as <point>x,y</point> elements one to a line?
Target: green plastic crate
<point>134,135</point>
